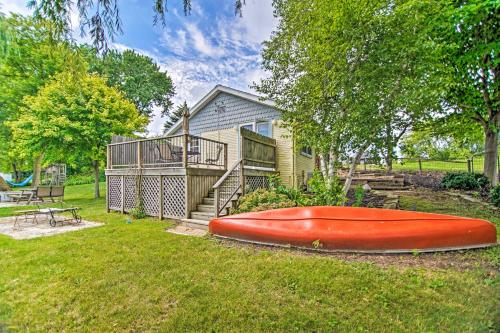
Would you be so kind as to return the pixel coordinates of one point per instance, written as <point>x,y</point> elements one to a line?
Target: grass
<point>431,165</point>
<point>135,277</point>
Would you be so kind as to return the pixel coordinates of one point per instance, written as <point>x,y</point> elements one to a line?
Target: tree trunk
<point>388,147</point>
<point>388,161</point>
<point>37,170</point>
<point>352,169</point>
<point>97,194</point>
<point>16,172</point>
<point>491,156</point>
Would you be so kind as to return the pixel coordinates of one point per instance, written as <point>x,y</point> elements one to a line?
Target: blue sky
<point>211,46</point>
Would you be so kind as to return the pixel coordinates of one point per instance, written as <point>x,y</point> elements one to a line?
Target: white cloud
<point>201,44</point>
<point>15,6</point>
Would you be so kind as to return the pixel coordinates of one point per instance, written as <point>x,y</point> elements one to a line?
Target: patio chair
<point>217,157</point>
<point>176,156</point>
<point>57,192</point>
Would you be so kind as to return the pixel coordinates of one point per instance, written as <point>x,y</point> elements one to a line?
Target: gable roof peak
<point>219,88</point>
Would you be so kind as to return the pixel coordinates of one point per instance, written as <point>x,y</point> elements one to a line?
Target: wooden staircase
<point>205,211</point>
<point>379,181</point>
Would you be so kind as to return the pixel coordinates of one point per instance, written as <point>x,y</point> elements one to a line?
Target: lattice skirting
<point>254,182</point>
<point>130,195</point>
<point>174,202</point>
<point>114,191</point>
<point>150,188</point>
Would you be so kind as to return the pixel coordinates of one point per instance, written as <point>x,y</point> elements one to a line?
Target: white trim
<point>303,153</point>
<point>250,167</point>
<point>212,94</point>
<point>306,154</point>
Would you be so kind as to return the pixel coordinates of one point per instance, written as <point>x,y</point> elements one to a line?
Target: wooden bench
<point>39,194</point>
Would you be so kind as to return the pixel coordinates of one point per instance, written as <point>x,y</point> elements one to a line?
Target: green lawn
<point>431,165</point>
<point>137,278</point>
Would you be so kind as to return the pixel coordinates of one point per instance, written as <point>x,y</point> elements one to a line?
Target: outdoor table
<point>75,218</point>
<point>27,193</point>
<point>7,195</point>
<point>50,213</point>
<point>28,214</point>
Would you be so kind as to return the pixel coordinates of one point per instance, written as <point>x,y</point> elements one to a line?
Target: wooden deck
<point>174,176</point>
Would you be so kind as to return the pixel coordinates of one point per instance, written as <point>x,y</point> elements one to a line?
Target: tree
<point>32,51</point>
<point>473,52</point>
<point>175,116</point>
<point>413,87</point>
<point>338,75</point>
<point>105,22</point>
<point>137,76</point>
<point>74,116</point>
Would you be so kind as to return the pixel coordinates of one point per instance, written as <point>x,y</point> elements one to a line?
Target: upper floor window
<point>261,127</point>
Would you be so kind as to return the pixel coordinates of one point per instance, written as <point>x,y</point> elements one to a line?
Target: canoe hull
<point>349,229</point>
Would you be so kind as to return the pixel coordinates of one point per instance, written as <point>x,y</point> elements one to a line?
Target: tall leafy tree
<point>412,87</point>
<point>32,51</point>
<point>137,76</point>
<point>175,116</point>
<point>75,116</point>
<point>102,17</point>
<point>338,74</point>
<point>473,52</point>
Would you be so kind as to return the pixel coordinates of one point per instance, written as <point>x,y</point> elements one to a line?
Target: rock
<point>366,187</point>
<point>3,185</point>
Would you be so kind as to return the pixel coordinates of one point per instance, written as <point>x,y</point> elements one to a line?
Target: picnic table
<point>26,194</point>
<point>50,214</point>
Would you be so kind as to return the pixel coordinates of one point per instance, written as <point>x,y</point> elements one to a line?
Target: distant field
<point>431,165</point>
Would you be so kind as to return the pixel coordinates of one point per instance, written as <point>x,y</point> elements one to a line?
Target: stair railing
<point>227,186</point>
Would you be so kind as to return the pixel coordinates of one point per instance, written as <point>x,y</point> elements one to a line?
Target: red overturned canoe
<point>352,229</point>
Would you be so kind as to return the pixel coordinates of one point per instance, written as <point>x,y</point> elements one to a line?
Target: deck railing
<point>177,151</point>
<point>227,187</point>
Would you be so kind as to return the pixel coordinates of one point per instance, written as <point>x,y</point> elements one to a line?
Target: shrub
<point>359,195</point>
<point>465,181</point>
<point>281,196</point>
<point>83,179</point>
<point>262,199</point>
<point>292,194</point>
<point>495,195</point>
<point>324,195</point>
<point>138,212</point>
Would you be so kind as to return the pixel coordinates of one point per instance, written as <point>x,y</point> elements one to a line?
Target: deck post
<point>225,156</point>
<point>108,157</point>
<point>242,176</point>
<point>160,214</point>
<point>187,193</point>
<point>122,203</point>
<point>216,202</point>
<point>107,193</point>
<point>185,139</point>
<point>139,155</point>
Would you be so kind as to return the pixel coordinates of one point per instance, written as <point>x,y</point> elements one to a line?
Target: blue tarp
<point>21,184</point>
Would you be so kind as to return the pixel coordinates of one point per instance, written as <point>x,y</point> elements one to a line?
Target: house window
<point>248,126</point>
<point>306,151</point>
<point>263,128</point>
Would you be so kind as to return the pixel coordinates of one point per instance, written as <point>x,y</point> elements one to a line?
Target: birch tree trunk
<point>352,169</point>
